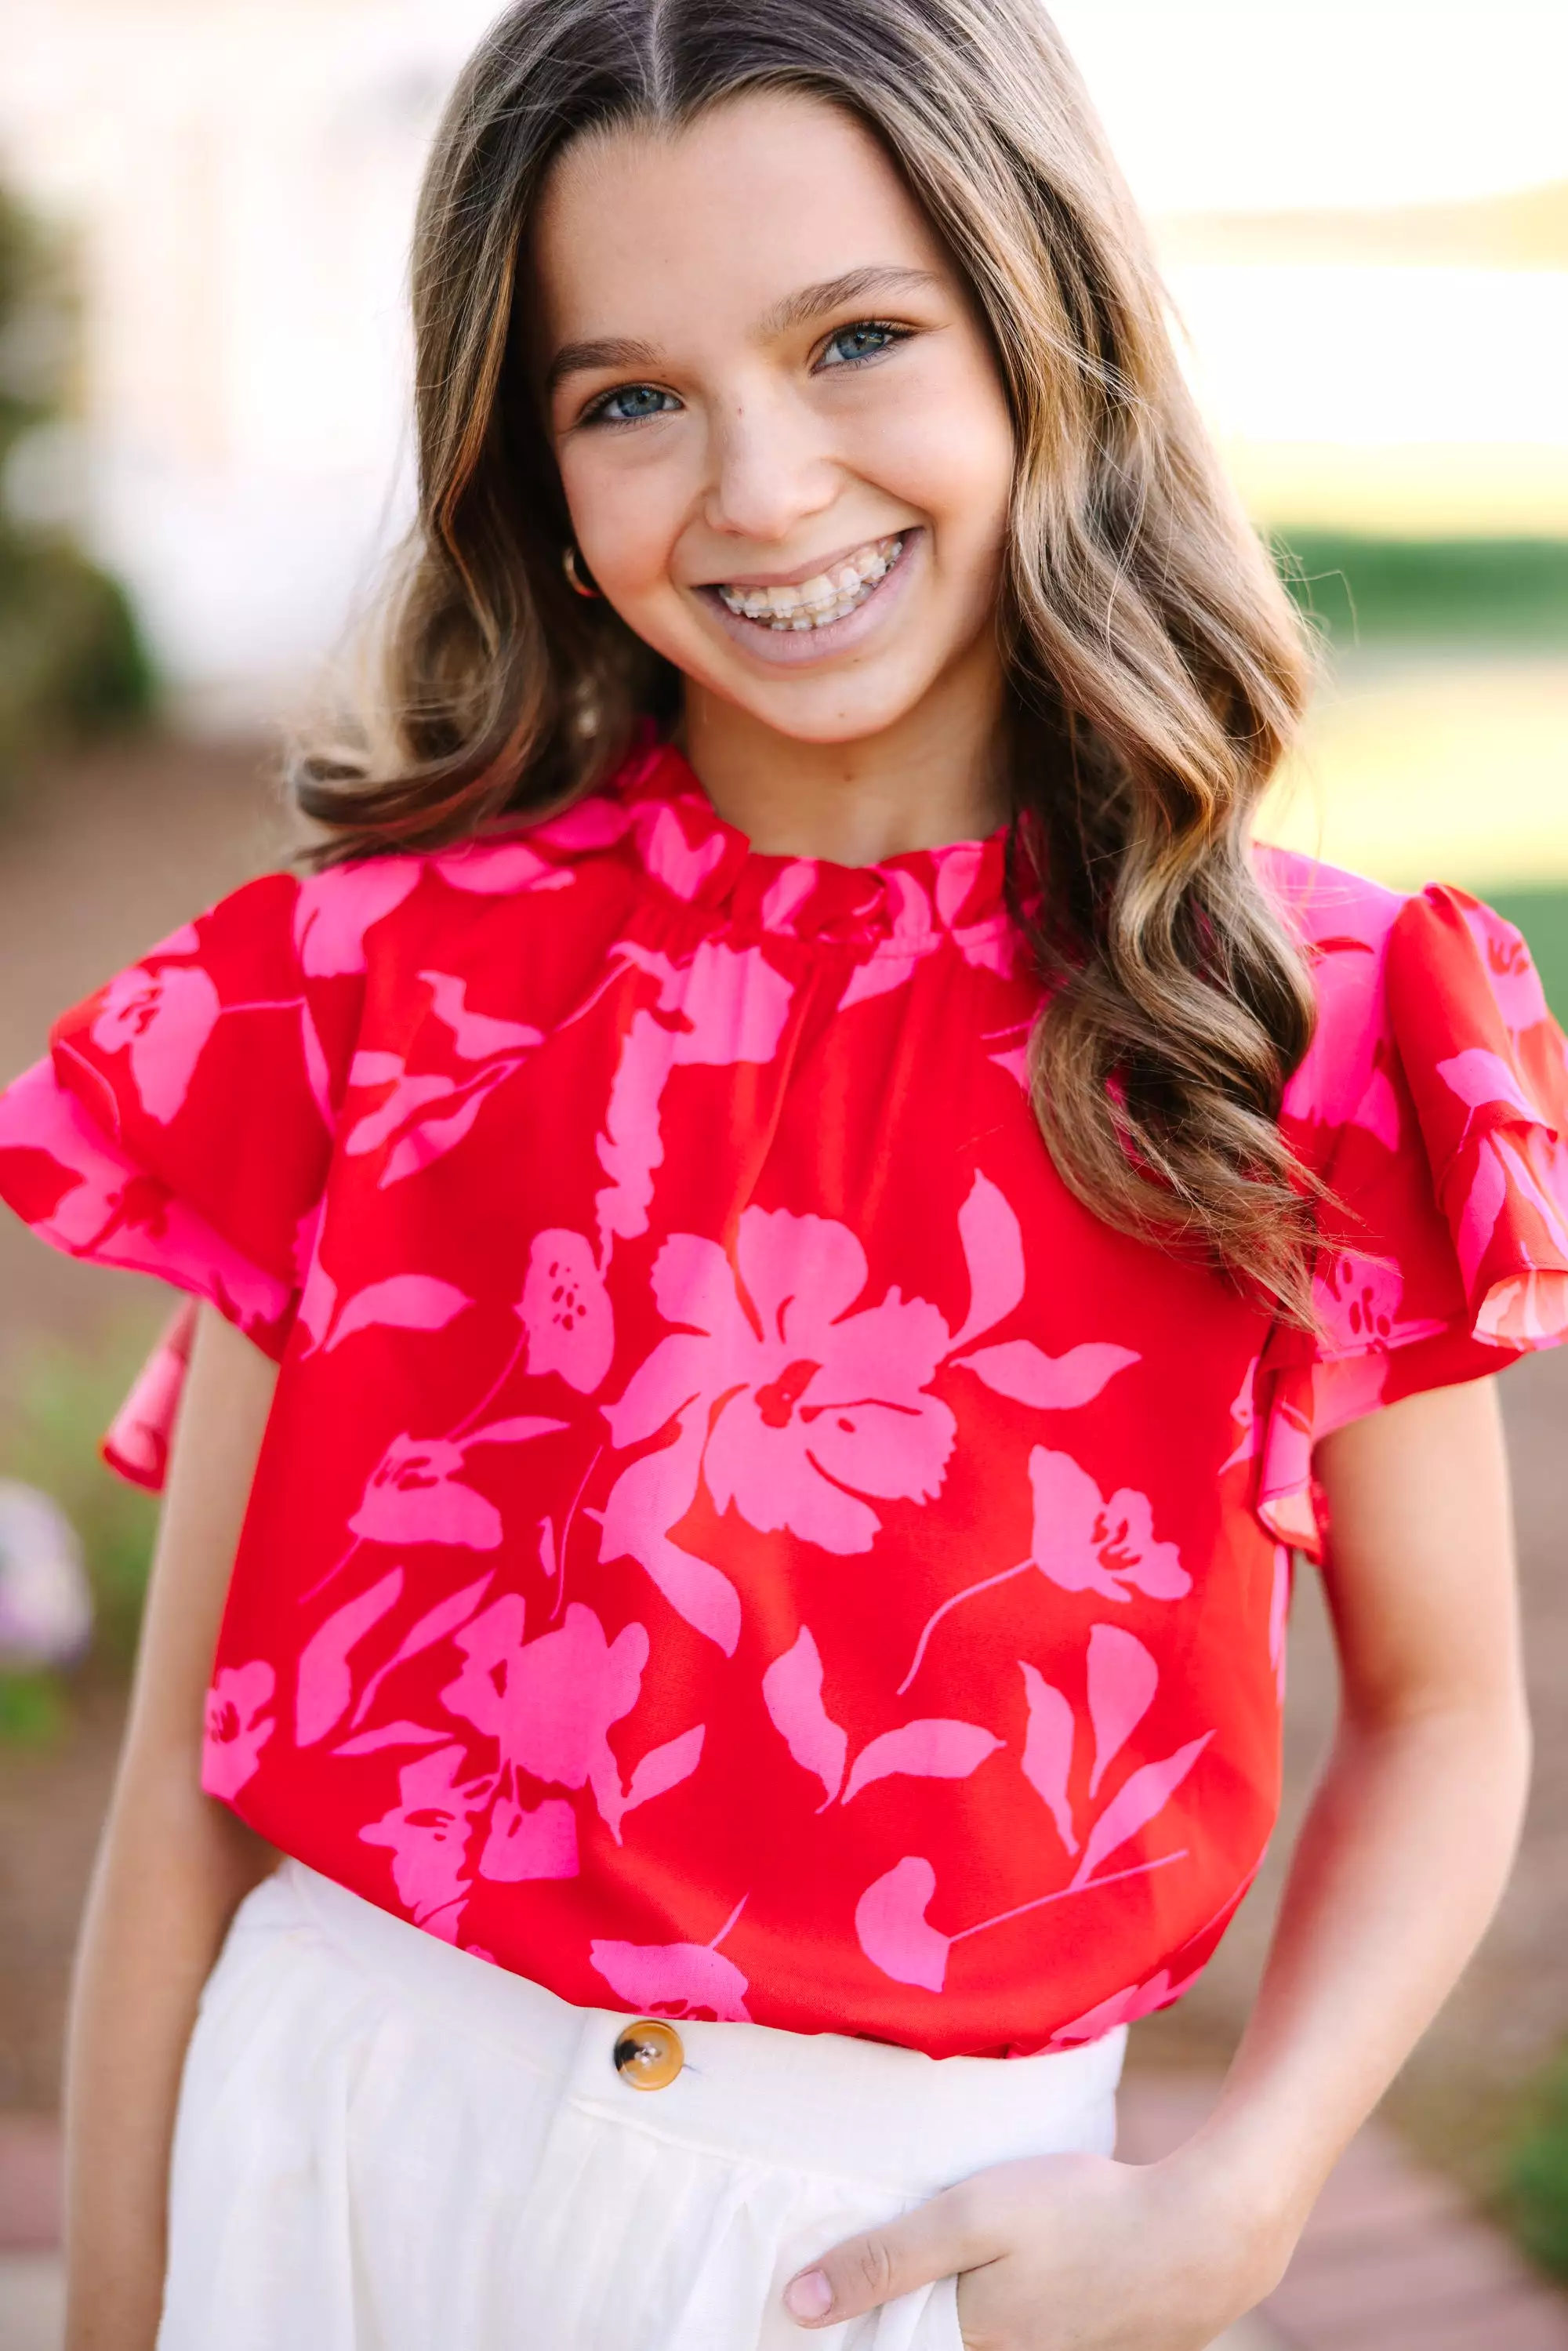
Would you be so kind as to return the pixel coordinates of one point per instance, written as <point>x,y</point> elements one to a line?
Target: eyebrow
<point>796,309</point>
<point>812,301</point>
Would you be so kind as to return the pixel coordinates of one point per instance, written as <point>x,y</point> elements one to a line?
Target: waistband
<point>814,2102</point>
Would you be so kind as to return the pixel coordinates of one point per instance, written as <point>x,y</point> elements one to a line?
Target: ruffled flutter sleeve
<point>182,1123</point>
<point>1434,1106</point>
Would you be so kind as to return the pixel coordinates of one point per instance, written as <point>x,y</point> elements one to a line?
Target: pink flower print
<point>498,869</point>
<point>1483,1081</point>
<point>793,1693</point>
<point>164,1017</point>
<point>560,1696</point>
<point>409,1097</point>
<point>668,855</point>
<point>475,1036</point>
<point>651,1498</point>
<point>403,1301</point>
<point>829,1407</point>
<point>415,1494</point>
<point>988,944</point>
<point>566,1312</point>
<point>992,1241</point>
<point>1086,1544</point>
<point>335,909</point>
<point>1122,2008</point>
<point>1083,1542</point>
<point>897,1936</point>
<point>551,1704</point>
<point>524,1845</point>
<point>894,1931</point>
<point>1048,1749</point>
<point>235,1730</point>
<point>721,1007</point>
<point>682,1980</point>
<point>1139,1799</point>
<point>596,823</point>
<point>1515,982</point>
<point>792,1409</point>
<point>935,1748</point>
<point>1526,1305</point>
<point>912,935</point>
<point>83,1194</point>
<point>427,1832</point>
<point>428,1114</point>
<point>1359,1299</point>
<point>1122,1679</point>
<point>324,1687</point>
<point>785,897</point>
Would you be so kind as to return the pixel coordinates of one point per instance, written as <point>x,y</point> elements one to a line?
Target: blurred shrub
<point>71,659</point>
<point>1543,917</point>
<point>1496,590</point>
<point>1535,2193</point>
<point>56,1397</point>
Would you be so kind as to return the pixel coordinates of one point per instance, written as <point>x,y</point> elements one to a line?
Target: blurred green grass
<point>1543,917</point>
<point>1480,591</point>
<point>56,1397</point>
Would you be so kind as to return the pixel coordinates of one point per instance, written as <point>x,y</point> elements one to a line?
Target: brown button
<point>648,2054</point>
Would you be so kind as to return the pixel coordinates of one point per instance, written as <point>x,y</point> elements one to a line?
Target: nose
<point>770,469</point>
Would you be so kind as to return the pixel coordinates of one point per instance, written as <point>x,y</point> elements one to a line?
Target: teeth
<point>826,597</point>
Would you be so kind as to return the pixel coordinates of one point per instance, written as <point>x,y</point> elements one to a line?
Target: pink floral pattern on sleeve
<point>1439,1124</point>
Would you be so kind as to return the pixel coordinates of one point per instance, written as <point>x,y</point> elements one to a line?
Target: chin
<point>829,710</point>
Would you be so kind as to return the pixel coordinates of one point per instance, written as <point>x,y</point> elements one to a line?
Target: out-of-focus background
<point>205,209</point>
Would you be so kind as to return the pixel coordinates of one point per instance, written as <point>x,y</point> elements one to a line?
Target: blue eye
<point>630,404</point>
<point>864,341</point>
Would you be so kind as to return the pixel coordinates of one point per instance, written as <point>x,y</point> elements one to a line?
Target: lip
<point>792,648</point>
<point>804,572</point>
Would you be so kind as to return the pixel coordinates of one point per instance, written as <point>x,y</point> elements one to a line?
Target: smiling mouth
<point>829,596</point>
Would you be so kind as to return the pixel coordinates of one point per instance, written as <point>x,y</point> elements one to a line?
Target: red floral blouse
<point>734,1536</point>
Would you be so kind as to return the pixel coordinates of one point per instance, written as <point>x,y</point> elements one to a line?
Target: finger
<point>915,2249</point>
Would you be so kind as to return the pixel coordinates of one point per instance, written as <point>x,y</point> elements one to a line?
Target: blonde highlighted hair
<point>1156,669</point>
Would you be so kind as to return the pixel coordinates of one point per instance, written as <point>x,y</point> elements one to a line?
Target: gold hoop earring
<point>576,580</point>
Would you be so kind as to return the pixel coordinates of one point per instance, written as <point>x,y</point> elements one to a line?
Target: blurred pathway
<point>1392,2259</point>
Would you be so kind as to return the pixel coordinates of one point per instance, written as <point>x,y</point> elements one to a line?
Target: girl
<point>794,1227</point>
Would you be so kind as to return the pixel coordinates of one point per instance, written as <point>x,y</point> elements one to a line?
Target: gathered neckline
<point>959,885</point>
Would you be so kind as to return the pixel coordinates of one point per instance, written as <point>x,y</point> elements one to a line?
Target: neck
<point>931,778</point>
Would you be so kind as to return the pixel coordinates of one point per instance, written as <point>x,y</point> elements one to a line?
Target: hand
<point>1064,2252</point>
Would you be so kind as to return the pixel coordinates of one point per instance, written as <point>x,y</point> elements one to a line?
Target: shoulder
<point>1329,911</point>
<point>1406,978</point>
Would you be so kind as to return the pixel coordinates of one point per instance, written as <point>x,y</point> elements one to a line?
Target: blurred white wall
<point>239,179</point>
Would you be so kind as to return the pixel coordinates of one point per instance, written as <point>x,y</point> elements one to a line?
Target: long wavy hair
<point>1156,670</point>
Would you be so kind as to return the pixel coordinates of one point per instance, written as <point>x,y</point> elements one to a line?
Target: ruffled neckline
<point>682,842</point>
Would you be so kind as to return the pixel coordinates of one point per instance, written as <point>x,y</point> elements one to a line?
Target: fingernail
<point>810,2296</point>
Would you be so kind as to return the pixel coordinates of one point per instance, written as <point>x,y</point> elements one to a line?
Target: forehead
<point>640,230</point>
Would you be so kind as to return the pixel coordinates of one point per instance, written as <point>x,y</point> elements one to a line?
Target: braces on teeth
<point>827,597</point>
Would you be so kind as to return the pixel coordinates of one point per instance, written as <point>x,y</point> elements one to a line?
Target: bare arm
<point>172,1868</point>
<point>1398,1869</point>
<point>1412,1833</point>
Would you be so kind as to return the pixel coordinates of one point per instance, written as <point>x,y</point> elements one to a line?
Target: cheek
<point>950,454</point>
<point>625,517</point>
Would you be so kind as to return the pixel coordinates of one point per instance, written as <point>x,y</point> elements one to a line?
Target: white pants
<point>387,2145</point>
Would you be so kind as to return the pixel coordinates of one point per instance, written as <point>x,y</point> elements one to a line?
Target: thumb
<point>915,2249</point>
